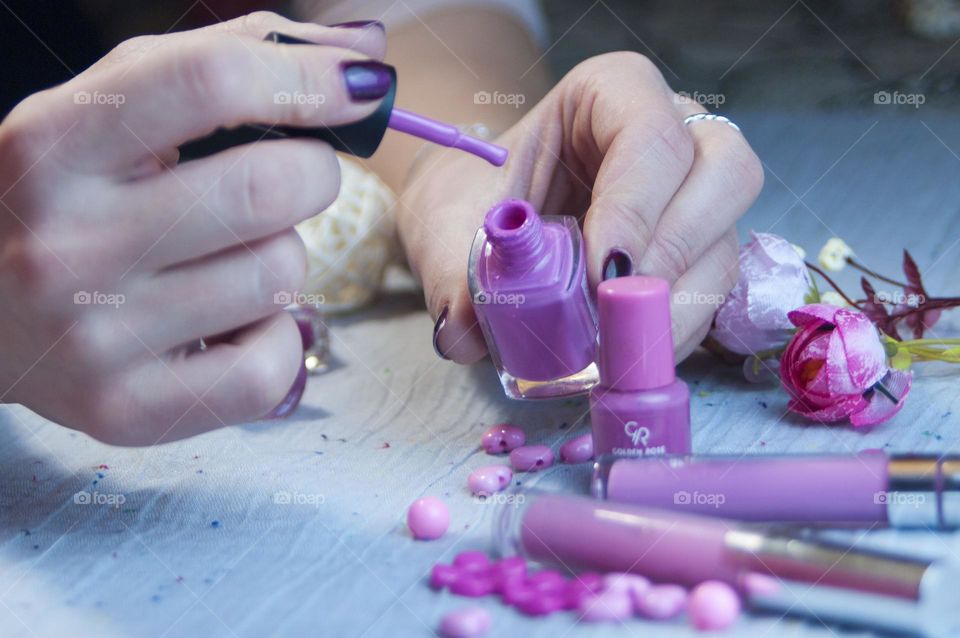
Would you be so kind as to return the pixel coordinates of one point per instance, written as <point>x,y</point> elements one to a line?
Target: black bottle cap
<point>360,139</point>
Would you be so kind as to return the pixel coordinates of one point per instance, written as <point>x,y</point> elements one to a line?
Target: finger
<point>698,293</point>
<point>182,93</point>
<point>231,382</point>
<point>217,294</point>
<point>204,206</point>
<point>725,180</point>
<point>647,153</point>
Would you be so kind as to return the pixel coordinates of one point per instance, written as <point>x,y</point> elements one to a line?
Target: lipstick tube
<point>865,489</point>
<point>785,573</point>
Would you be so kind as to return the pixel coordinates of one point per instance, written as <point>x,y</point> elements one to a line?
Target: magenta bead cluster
<point>612,597</point>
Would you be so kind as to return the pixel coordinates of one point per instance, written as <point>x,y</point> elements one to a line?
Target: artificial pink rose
<point>833,365</point>
<point>773,281</point>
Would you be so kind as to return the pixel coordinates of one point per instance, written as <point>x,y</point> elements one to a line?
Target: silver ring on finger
<point>696,117</point>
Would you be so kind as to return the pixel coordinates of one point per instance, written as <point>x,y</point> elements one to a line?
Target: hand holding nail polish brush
<point>366,80</point>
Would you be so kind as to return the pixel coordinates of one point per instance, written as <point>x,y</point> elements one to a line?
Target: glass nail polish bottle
<point>640,407</point>
<point>529,286</point>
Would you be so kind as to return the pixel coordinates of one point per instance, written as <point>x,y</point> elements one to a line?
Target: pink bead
<point>472,586</point>
<point>515,592</point>
<point>633,584</point>
<point>443,575</point>
<point>713,605</point>
<point>542,604</point>
<point>578,450</point>
<point>660,602</point>
<point>610,604</point>
<point>465,623</point>
<point>531,458</point>
<point>473,563</point>
<point>508,570</point>
<point>489,480</point>
<point>580,587</point>
<point>547,580</point>
<point>428,518</point>
<point>502,438</point>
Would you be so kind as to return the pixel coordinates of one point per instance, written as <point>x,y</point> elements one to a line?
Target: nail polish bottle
<point>529,286</point>
<point>640,407</point>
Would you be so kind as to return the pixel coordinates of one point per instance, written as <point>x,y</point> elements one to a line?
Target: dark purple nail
<point>283,38</point>
<point>358,24</point>
<point>437,327</point>
<point>617,264</point>
<point>367,80</point>
<point>292,400</point>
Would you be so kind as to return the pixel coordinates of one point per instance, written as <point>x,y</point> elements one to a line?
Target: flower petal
<point>865,358</point>
<point>880,408</point>
<point>813,313</point>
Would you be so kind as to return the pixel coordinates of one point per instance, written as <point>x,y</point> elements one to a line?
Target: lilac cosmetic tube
<point>865,489</point>
<point>783,573</point>
<point>528,280</point>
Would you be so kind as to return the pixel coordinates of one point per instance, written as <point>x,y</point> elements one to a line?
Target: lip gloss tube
<point>865,489</point>
<point>785,573</point>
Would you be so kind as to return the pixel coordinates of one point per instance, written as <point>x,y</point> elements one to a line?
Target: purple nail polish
<point>358,24</point>
<point>367,80</point>
<point>292,400</point>
<point>640,407</point>
<point>529,287</point>
<point>617,264</point>
<point>437,327</point>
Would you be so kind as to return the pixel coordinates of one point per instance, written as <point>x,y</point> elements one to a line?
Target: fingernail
<point>617,264</point>
<point>441,322</point>
<point>367,80</point>
<point>292,400</point>
<point>358,24</point>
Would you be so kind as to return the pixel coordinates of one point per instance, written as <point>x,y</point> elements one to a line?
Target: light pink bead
<point>428,518</point>
<point>489,480</point>
<point>660,602</point>
<point>531,458</point>
<point>465,623</point>
<point>608,605</point>
<point>713,605</point>
<point>443,575</point>
<point>578,450</point>
<point>501,438</point>
<point>633,584</point>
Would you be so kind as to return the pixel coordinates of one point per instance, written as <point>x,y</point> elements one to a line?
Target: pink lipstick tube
<point>865,489</point>
<point>784,573</point>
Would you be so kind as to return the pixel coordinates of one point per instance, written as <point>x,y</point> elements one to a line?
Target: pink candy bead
<point>465,623</point>
<point>713,605</point>
<point>502,438</point>
<point>582,586</point>
<point>541,604</point>
<point>578,450</point>
<point>443,576</point>
<point>660,602</point>
<point>428,518</point>
<point>531,458</point>
<point>547,580</point>
<point>610,604</point>
<point>633,584</point>
<point>489,480</point>
<point>472,586</point>
<point>472,562</point>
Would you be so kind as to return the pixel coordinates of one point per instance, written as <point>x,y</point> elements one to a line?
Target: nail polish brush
<point>360,138</point>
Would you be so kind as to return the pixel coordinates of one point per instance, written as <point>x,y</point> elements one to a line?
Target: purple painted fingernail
<point>437,327</point>
<point>366,80</point>
<point>617,264</point>
<point>358,24</point>
<point>292,400</point>
<point>578,450</point>
<point>531,458</point>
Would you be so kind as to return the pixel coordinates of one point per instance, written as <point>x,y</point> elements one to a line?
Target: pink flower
<point>773,281</point>
<point>835,367</point>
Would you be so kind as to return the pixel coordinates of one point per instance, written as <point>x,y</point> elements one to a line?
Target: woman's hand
<point>115,261</point>
<point>660,198</point>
